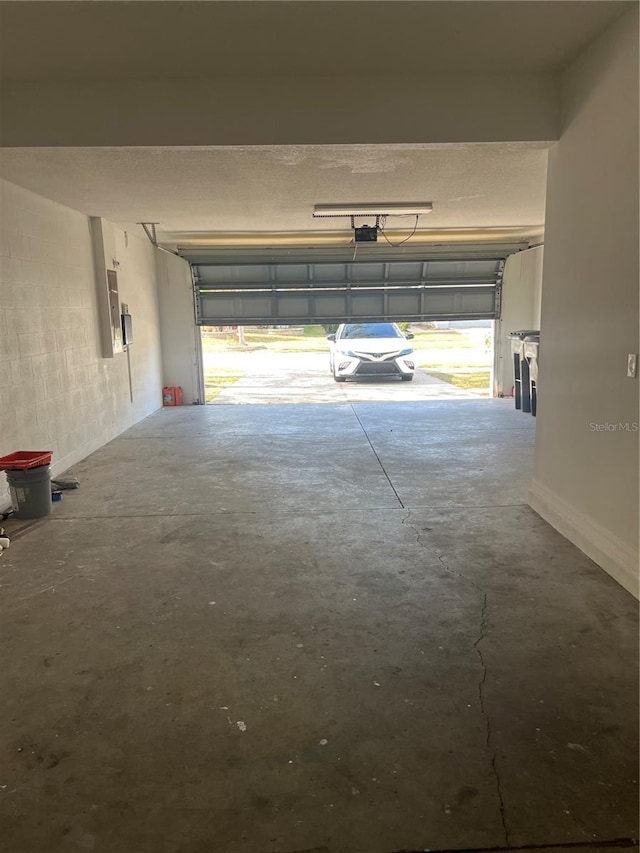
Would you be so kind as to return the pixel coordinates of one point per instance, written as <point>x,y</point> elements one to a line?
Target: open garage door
<point>321,290</point>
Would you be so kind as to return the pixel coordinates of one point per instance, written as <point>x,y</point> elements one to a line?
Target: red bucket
<point>22,460</point>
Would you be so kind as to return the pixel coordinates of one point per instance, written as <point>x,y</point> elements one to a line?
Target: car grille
<point>376,356</point>
<point>376,368</point>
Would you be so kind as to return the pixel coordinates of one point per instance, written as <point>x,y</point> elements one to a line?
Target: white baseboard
<point>598,543</point>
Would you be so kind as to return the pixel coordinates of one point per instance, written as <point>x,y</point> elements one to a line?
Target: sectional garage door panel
<point>317,292</point>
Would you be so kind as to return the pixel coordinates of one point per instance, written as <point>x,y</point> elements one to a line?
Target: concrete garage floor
<point>324,628</point>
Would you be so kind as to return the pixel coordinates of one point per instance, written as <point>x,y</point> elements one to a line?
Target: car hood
<point>373,345</point>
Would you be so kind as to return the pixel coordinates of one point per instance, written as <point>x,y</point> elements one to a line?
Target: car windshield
<point>370,330</point>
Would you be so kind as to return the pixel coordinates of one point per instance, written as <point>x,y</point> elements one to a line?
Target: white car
<point>370,349</point>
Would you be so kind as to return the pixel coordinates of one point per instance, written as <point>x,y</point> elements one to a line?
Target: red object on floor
<point>21,460</point>
<point>172,395</point>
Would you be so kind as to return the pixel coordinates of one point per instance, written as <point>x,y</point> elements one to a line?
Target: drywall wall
<point>586,459</point>
<point>56,391</point>
<point>521,291</point>
<point>180,336</point>
<point>281,110</point>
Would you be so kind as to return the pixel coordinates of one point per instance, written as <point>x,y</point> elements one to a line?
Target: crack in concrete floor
<point>476,645</point>
<point>490,746</point>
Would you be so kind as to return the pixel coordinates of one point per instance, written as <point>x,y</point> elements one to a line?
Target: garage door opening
<point>257,364</point>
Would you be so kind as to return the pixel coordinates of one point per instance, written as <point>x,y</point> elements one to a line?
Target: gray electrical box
<point>127,329</point>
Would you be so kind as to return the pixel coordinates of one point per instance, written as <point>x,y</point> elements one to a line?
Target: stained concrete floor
<point>331,628</point>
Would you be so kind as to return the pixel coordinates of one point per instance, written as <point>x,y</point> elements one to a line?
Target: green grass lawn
<point>471,380</point>
<point>449,349</point>
<point>216,379</point>
<point>293,339</point>
<point>281,343</point>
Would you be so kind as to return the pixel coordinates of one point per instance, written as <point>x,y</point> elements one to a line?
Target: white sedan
<point>370,349</point>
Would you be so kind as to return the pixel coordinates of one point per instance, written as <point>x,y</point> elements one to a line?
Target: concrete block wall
<point>56,391</point>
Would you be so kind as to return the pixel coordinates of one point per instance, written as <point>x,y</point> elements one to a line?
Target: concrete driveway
<point>303,377</point>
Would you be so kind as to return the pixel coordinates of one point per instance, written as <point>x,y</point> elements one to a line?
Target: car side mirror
<point>331,337</point>
<point>409,336</point>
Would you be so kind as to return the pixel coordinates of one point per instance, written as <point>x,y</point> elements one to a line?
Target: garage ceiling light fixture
<point>381,210</point>
<point>387,208</point>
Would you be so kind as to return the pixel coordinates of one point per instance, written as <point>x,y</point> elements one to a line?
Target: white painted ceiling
<point>162,40</point>
<point>274,188</point>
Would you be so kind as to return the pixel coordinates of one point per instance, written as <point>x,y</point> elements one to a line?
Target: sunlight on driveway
<point>276,377</point>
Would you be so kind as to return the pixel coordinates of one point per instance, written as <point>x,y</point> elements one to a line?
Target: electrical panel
<point>106,264</point>
<point>114,310</point>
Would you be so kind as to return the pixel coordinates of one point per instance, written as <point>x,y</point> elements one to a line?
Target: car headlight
<point>347,352</point>
<point>406,351</point>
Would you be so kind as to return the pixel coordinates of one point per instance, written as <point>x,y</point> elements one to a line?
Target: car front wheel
<point>408,378</point>
<point>339,378</point>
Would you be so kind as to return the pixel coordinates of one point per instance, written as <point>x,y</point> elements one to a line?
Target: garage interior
<point>340,628</point>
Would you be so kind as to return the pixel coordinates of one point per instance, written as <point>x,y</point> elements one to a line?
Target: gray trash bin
<point>30,491</point>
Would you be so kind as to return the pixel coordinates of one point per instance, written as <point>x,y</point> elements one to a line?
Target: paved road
<point>275,377</point>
